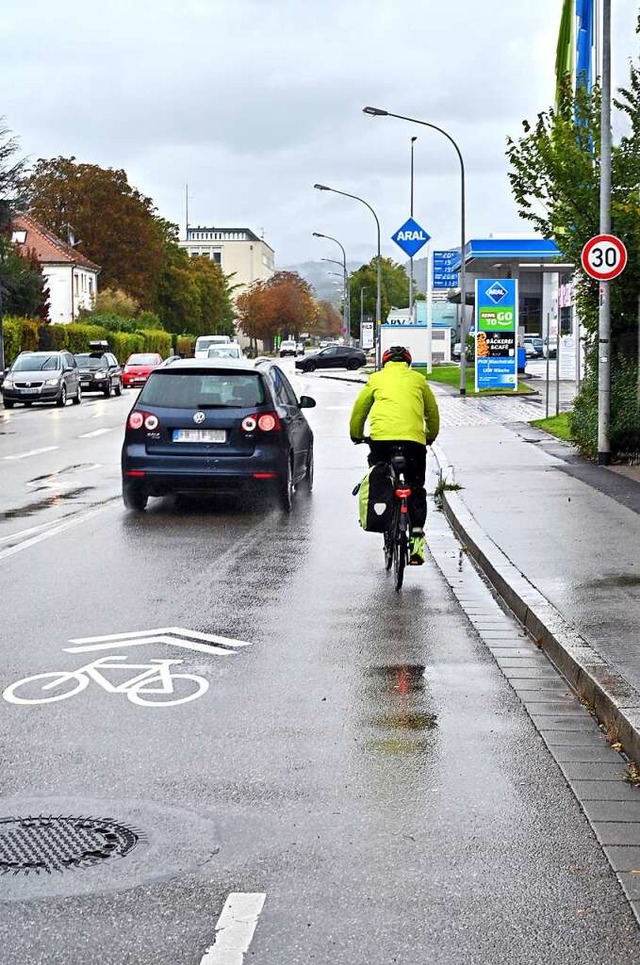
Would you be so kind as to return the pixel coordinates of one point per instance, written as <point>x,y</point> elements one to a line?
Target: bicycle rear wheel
<point>400,547</point>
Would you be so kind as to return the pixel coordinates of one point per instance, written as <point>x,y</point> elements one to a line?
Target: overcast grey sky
<point>252,101</point>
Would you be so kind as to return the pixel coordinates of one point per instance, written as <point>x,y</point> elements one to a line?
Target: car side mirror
<point>306,402</point>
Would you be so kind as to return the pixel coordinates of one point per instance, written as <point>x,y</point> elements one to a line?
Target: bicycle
<point>138,689</point>
<point>397,535</point>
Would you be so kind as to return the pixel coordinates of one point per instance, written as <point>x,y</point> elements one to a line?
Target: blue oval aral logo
<point>199,418</point>
<point>496,292</point>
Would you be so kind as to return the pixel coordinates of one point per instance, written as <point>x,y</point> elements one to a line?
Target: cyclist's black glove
<point>356,441</point>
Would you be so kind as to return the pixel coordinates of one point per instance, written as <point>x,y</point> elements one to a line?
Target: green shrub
<point>185,345</point>
<point>625,412</point>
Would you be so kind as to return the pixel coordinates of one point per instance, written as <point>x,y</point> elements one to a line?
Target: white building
<point>71,278</point>
<point>238,251</point>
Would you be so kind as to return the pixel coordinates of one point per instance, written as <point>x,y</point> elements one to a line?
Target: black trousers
<point>416,470</point>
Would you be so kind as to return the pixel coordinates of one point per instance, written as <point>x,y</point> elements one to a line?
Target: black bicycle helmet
<point>397,353</point>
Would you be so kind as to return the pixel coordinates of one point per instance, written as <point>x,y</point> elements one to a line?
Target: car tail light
<point>265,475</point>
<point>135,472</point>
<point>268,422</point>
<point>139,419</point>
<point>249,423</point>
<point>136,420</point>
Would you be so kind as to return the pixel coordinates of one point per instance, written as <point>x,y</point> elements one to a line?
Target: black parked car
<point>217,425</point>
<point>100,370</point>
<point>332,357</point>
<point>42,377</point>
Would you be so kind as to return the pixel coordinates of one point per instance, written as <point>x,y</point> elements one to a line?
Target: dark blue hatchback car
<point>220,426</point>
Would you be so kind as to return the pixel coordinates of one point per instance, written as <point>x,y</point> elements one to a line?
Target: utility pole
<point>604,316</point>
<point>413,140</point>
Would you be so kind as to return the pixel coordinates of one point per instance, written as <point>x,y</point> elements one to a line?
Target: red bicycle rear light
<point>249,423</point>
<point>135,420</point>
<point>151,422</point>
<point>268,422</point>
<point>403,493</point>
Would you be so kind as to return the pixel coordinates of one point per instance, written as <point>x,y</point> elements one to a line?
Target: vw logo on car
<point>199,417</point>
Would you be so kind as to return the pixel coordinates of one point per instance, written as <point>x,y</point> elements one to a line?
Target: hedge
<point>625,412</point>
<point>24,335</point>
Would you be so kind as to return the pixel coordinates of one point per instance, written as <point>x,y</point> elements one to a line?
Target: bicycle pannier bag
<point>375,499</point>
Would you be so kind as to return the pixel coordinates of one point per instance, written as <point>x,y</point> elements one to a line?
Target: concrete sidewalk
<point>560,540</point>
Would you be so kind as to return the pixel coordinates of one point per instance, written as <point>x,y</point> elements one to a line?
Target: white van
<point>204,343</point>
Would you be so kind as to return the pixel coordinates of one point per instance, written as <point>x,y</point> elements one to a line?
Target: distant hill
<point>324,284</point>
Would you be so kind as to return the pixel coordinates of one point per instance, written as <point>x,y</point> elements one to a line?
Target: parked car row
<point>57,376</point>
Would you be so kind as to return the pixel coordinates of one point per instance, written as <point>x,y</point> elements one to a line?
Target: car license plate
<point>85,385</point>
<point>29,391</point>
<point>199,435</point>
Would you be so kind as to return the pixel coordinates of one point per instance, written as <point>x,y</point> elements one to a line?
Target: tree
<point>394,290</point>
<point>284,305</point>
<point>328,320</point>
<point>555,179</point>
<point>115,224</point>
<point>11,169</point>
<point>110,301</point>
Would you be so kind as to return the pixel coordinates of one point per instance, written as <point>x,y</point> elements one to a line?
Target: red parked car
<point>138,367</point>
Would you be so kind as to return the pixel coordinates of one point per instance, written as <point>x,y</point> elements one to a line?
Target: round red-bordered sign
<point>604,257</point>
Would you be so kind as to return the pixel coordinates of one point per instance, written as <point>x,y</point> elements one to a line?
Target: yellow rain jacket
<point>400,406</point>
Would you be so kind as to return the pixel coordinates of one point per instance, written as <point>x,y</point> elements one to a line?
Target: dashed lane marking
<point>95,432</point>
<point>235,929</point>
<point>31,452</point>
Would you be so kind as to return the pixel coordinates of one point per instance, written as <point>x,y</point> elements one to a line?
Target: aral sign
<point>496,330</point>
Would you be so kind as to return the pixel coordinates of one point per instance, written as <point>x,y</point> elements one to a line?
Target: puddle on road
<point>399,695</point>
<point>616,580</point>
<point>46,503</point>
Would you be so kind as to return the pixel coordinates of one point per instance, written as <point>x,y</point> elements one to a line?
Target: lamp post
<point>363,289</point>
<point>323,187</point>
<point>604,313</point>
<point>347,310</point>
<point>378,112</point>
<point>413,140</point>
<point>345,290</point>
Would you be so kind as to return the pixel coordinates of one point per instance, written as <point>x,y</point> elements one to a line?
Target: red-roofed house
<point>71,278</point>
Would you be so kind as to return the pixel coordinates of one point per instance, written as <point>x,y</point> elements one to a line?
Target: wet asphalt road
<point>362,762</point>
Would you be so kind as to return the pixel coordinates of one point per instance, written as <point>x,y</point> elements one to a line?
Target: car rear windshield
<point>224,352</point>
<point>201,390</point>
<point>91,362</point>
<point>142,360</point>
<point>36,363</point>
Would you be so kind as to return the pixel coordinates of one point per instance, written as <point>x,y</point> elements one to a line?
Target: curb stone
<point>613,700</point>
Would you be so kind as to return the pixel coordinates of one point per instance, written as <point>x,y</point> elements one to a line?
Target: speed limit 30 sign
<point>604,257</point>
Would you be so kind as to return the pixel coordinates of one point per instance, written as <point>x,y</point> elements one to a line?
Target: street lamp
<point>378,112</point>
<point>347,310</point>
<point>413,140</point>
<point>345,291</point>
<point>363,289</point>
<point>323,187</point>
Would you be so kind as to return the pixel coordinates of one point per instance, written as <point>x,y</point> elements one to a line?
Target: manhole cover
<point>43,844</point>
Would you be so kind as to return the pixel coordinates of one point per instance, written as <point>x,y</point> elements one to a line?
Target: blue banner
<point>496,333</point>
<point>443,274</point>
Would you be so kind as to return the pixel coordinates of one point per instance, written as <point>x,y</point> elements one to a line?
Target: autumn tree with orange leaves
<point>284,305</point>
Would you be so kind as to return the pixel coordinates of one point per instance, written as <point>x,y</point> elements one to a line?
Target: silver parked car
<point>42,377</point>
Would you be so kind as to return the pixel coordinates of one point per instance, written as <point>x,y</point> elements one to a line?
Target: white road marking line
<point>182,631</point>
<point>139,638</point>
<point>235,929</point>
<point>32,452</point>
<point>12,550</point>
<point>171,641</point>
<point>96,432</point>
<point>27,532</point>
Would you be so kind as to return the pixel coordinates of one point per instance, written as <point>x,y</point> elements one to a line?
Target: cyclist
<point>402,410</point>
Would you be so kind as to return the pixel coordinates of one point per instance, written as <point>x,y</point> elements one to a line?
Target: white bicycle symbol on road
<point>156,686</point>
